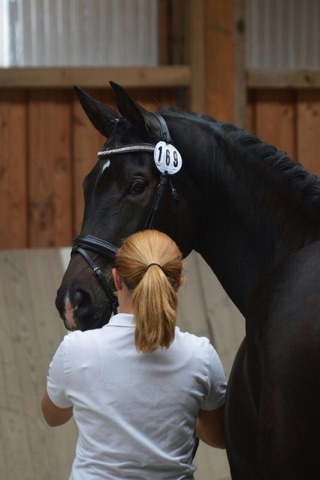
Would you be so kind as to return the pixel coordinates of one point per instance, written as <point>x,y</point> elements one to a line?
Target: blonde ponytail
<point>150,264</point>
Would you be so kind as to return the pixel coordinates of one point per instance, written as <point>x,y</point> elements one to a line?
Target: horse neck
<point>253,217</point>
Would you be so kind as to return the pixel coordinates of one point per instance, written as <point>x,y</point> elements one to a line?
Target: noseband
<point>88,243</point>
<point>81,244</point>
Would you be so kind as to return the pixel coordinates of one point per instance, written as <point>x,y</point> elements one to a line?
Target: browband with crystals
<point>166,157</point>
<point>143,147</point>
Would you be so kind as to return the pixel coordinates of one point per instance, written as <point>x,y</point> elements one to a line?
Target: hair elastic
<point>150,265</point>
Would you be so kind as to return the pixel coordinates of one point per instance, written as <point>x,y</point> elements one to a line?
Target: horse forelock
<point>123,134</point>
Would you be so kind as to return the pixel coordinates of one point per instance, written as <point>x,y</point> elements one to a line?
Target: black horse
<point>254,216</point>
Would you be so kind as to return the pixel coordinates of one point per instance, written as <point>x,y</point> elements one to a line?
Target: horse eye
<point>137,187</point>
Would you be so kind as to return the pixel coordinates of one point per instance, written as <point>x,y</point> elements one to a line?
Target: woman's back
<point>139,389</point>
<point>135,412</point>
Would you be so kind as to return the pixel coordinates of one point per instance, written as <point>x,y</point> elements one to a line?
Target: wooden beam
<point>179,33</point>
<point>97,77</point>
<point>197,12</point>
<point>283,79</point>
<point>239,81</point>
<point>219,25</point>
<point>164,31</point>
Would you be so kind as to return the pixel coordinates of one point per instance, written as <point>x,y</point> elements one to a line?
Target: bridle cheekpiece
<point>168,161</point>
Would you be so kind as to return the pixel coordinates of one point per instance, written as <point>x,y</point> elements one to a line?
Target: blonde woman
<point>139,389</point>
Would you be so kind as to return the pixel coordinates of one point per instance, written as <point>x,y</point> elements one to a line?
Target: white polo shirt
<point>135,412</point>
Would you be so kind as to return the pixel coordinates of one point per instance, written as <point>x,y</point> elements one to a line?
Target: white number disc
<point>167,158</point>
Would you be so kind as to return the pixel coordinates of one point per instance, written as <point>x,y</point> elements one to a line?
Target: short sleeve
<point>57,379</point>
<point>217,383</point>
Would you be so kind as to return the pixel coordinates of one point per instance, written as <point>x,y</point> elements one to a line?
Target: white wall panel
<point>283,34</point>
<point>78,32</point>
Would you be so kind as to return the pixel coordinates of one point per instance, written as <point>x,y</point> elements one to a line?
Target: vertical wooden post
<point>225,60</point>
<point>220,59</point>
<point>209,36</point>
<point>239,73</point>
<point>197,55</point>
<point>164,32</point>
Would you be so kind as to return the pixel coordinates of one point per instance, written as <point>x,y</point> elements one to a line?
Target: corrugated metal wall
<point>283,34</point>
<point>78,32</point>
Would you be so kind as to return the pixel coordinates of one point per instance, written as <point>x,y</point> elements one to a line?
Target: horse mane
<point>300,183</point>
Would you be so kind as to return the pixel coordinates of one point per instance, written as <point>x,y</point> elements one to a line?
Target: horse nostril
<point>79,309</point>
<point>84,308</point>
<point>81,301</point>
<point>80,298</point>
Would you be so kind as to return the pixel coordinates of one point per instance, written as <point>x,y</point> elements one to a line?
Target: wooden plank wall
<point>47,147</point>
<point>290,120</point>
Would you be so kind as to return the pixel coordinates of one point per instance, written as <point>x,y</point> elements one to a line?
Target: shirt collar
<point>121,320</point>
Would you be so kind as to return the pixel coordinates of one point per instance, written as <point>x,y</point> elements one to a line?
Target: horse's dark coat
<point>253,215</point>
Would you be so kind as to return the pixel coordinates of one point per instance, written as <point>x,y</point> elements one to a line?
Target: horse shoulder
<point>283,334</point>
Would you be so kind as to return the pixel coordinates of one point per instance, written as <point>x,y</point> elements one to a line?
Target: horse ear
<point>102,117</point>
<point>133,112</point>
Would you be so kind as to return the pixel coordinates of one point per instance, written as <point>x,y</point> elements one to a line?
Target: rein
<point>84,243</point>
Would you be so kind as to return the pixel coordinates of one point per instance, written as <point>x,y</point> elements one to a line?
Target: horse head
<point>124,192</point>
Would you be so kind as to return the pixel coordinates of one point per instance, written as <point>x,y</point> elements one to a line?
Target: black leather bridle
<point>88,243</point>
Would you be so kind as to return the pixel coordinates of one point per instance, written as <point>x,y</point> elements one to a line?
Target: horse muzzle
<point>79,309</point>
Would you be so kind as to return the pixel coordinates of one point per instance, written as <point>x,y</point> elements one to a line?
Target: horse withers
<point>253,215</point>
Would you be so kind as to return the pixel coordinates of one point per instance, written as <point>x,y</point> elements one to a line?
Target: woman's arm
<point>53,415</point>
<point>210,427</point>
